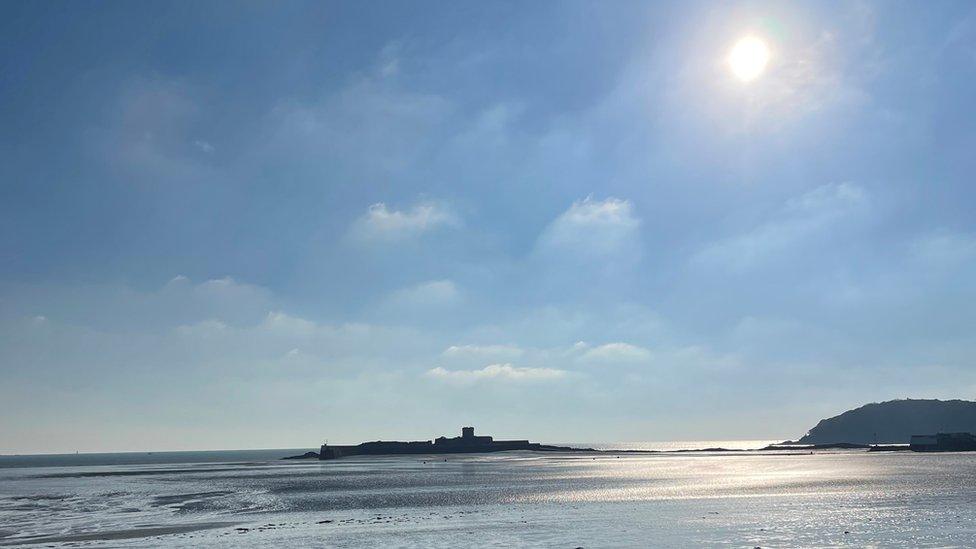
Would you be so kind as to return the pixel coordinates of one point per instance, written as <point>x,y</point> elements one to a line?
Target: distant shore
<point>225,456</point>
<point>783,447</point>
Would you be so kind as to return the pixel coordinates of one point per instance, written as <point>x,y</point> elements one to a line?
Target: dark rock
<point>306,455</point>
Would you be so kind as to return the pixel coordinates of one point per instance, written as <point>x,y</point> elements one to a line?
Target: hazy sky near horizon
<point>233,225</point>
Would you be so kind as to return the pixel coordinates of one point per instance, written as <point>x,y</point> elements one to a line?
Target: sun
<point>748,58</point>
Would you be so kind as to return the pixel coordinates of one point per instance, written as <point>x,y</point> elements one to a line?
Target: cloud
<point>204,146</point>
<point>203,329</point>
<point>434,293</point>
<point>593,227</point>
<point>380,223</point>
<point>180,301</point>
<point>503,372</point>
<point>615,352</point>
<point>482,352</point>
<point>802,219</point>
<point>389,60</point>
<point>283,323</point>
<point>827,200</point>
<point>370,127</point>
<point>222,297</point>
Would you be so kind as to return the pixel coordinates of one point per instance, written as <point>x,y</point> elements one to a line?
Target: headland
<point>895,422</point>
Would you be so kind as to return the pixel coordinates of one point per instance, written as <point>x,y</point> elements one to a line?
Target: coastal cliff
<point>894,422</point>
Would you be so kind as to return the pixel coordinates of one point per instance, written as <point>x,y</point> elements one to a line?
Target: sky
<point>266,225</point>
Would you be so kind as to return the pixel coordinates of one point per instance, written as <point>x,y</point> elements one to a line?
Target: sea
<point>744,497</point>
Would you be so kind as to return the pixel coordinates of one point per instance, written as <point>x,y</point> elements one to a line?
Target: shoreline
<point>772,448</point>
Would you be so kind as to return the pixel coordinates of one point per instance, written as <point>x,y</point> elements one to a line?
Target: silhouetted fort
<point>467,443</point>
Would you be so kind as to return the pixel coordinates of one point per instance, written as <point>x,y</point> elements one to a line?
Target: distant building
<point>467,438</point>
<point>943,442</point>
<point>468,442</point>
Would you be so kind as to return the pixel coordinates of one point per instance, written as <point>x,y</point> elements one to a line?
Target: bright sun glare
<point>748,58</point>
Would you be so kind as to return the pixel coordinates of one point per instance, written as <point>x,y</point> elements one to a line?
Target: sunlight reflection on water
<point>514,498</point>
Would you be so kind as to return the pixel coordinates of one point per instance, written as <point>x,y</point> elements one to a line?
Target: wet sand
<point>816,498</point>
<point>131,533</point>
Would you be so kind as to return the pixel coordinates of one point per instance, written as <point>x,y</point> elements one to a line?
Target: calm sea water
<point>251,499</point>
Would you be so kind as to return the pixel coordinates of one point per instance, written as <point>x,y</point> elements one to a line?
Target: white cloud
<point>434,293</point>
<point>282,323</point>
<point>594,227</point>
<point>380,223</point>
<point>827,200</point>
<point>202,329</point>
<point>504,372</point>
<point>482,352</point>
<point>615,352</point>
<point>223,298</point>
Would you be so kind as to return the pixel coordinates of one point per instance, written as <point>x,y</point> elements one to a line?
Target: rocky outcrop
<point>894,422</point>
<point>306,455</point>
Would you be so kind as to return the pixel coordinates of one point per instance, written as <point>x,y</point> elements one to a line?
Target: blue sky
<point>263,225</point>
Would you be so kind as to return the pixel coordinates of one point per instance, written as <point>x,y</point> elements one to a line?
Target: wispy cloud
<point>204,146</point>
<point>434,293</point>
<point>616,352</point>
<point>801,219</point>
<point>381,223</point>
<point>503,372</point>
<point>482,352</point>
<point>598,227</point>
